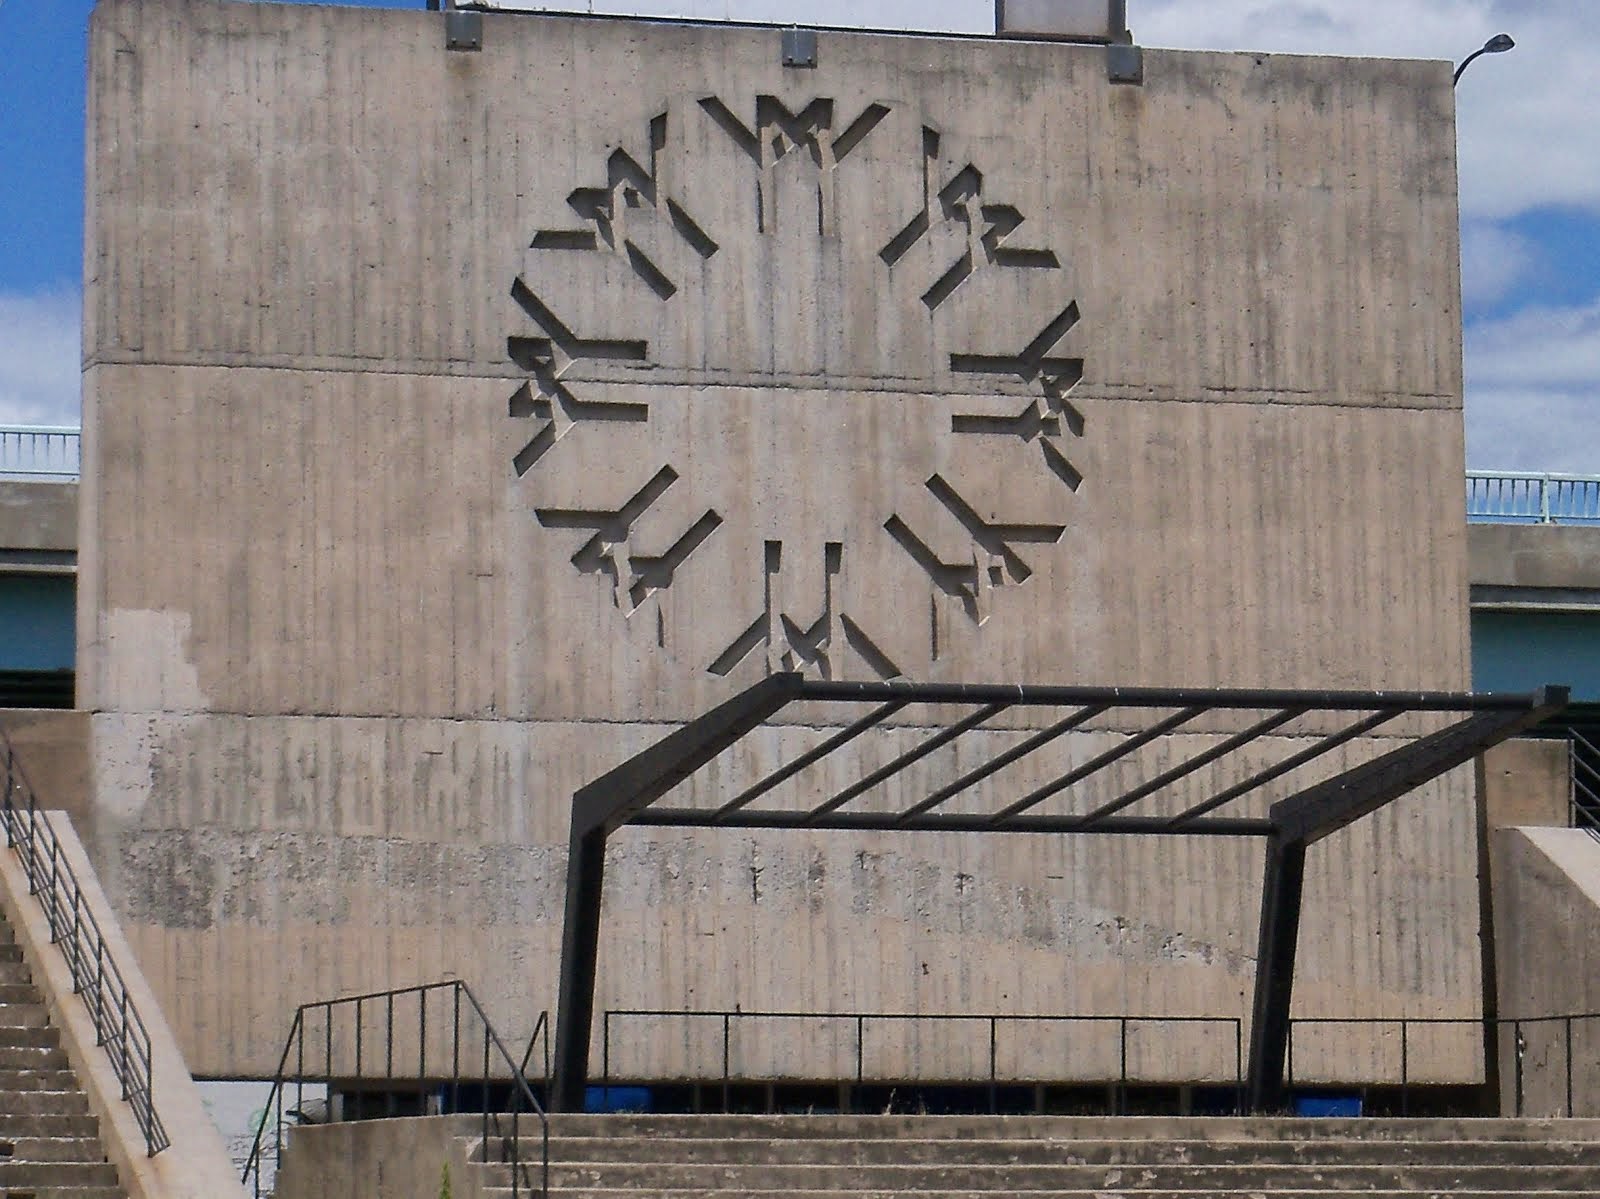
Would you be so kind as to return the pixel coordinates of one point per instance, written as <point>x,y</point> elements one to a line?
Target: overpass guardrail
<point>1532,498</point>
<point>46,452</point>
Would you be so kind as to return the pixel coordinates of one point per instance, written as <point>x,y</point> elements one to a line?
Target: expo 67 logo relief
<point>795,346</point>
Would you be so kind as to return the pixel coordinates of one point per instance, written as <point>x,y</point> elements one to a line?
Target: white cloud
<point>39,357</point>
<point>1531,390</point>
<point>1494,261</point>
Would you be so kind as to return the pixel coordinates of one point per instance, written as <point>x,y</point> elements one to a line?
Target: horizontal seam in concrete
<point>414,718</point>
<point>1204,394</point>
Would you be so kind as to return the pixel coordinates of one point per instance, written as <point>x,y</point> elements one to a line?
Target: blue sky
<point>1530,183</point>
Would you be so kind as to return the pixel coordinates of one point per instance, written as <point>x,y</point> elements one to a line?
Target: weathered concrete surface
<point>1527,782</point>
<point>835,1157</point>
<point>368,589</point>
<point>53,748</point>
<point>196,1166</point>
<point>1534,556</point>
<point>379,1159</point>
<point>38,526</point>
<point>1546,905</point>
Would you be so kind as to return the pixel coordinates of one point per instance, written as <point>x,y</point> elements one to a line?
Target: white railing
<point>1532,498</point>
<point>39,452</point>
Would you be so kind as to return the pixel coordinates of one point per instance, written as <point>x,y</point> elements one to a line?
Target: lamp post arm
<point>1467,62</point>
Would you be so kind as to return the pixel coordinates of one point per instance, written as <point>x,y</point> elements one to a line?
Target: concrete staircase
<point>49,1143</point>
<point>943,1157</point>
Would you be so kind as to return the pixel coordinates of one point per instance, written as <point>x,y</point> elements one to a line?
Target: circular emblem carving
<point>926,259</point>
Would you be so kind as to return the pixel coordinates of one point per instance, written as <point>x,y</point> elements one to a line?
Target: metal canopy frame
<point>627,794</point>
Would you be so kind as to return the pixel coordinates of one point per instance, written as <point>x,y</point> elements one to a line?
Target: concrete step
<point>991,1179</point>
<point>15,972</point>
<point>66,1192</point>
<point>44,1103</point>
<point>32,1037</point>
<point>24,993</point>
<point>24,1015</point>
<point>15,1125</point>
<point>37,1080</point>
<point>52,1149</point>
<point>531,1188</point>
<point>1074,1128</point>
<point>15,1175</point>
<point>32,1057</point>
<point>1046,1152</point>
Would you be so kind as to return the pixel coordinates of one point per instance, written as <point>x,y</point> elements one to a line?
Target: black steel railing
<point>1585,775</point>
<point>1125,1029</point>
<point>422,1050</point>
<point>118,1027</point>
<point>1560,1047</point>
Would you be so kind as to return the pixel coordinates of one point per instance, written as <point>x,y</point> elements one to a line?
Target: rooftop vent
<point>1100,21</point>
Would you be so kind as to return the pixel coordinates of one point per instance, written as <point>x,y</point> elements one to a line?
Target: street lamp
<point>1498,44</point>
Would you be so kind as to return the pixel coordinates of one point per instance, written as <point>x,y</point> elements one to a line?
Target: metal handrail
<point>449,1078</point>
<point>540,1034</point>
<point>993,1020</point>
<point>51,452</point>
<point>1532,497</point>
<point>118,1026</point>
<point>1584,780</point>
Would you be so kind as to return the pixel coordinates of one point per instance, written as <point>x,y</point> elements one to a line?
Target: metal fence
<point>412,1051</point>
<point>1532,498</point>
<point>1119,1042</point>
<point>1584,778</point>
<point>117,1025</point>
<point>1554,1060</point>
<point>48,452</point>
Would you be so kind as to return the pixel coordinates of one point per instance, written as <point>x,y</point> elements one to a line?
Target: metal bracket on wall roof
<point>463,29</point>
<point>1125,63</point>
<point>799,47</point>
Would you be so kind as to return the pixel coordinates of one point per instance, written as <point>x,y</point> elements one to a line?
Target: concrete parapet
<point>37,517</point>
<point>1534,565</point>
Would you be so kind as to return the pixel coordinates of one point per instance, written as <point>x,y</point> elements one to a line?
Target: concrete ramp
<point>1547,962</point>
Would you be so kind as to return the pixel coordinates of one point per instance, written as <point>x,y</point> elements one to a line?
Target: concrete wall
<point>53,749</point>
<point>38,517</point>
<point>455,423</point>
<point>1546,904</point>
<point>1527,781</point>
<point>380,1159</point>
<point>1561,557</point>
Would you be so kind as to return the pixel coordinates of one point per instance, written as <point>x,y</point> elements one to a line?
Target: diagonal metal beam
<point>1037,796</point>
<point>1021,750</point>
<point>1293,762</point>
<point>939,740</point>
<point>815,754</point>
<point>1188,767</point>
<point>944,822</point>
<point>620,794</point>
<point>1324,809</point>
